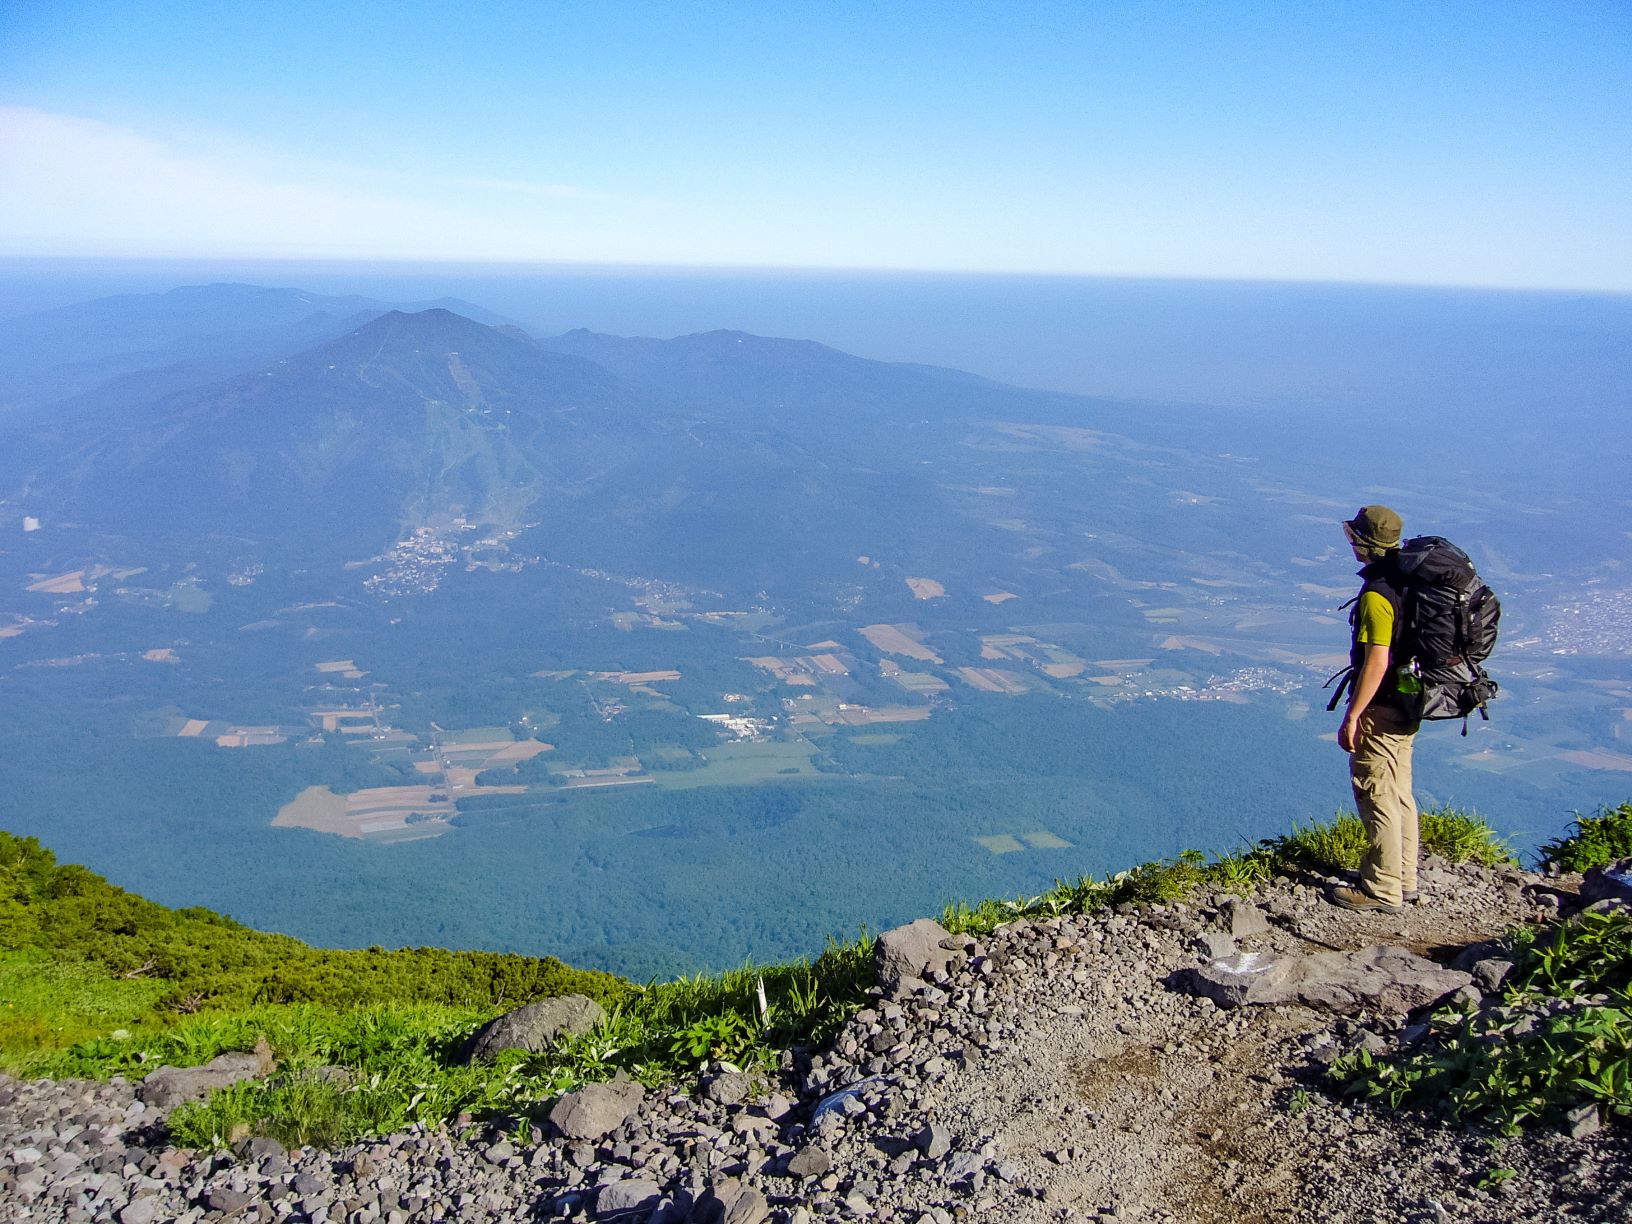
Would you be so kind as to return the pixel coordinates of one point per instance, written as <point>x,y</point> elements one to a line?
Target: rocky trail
<point>1162,1064</point>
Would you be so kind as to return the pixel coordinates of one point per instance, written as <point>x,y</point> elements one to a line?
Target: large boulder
<point>535,1027</point>
<point>1382,977</point>
<point>905,956</point>
<point>168,1087</point>
<point>596,1110</point>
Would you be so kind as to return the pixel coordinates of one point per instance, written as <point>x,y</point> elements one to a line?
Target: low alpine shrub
<point>1596,840</point>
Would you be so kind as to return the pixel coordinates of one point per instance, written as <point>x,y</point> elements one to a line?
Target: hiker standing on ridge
<point>1378,729</point>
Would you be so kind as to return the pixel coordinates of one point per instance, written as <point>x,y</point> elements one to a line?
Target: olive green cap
<point>1376,527</point>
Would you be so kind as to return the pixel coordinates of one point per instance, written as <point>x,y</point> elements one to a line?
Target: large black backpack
<point>1447,630</point>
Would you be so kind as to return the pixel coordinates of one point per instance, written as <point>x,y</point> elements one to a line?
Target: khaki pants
<point>1380,771</point>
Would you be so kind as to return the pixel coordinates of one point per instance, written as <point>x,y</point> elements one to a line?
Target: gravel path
<point>1055,1071</point>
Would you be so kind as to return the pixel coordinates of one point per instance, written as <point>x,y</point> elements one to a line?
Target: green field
<point>476,735</point>
<point>746,764</point>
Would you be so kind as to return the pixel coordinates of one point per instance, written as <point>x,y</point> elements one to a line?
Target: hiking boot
<point>1410,896</point>
<point>1362,901</point>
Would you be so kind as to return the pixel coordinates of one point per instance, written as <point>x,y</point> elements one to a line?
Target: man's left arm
<point>1373,669</point>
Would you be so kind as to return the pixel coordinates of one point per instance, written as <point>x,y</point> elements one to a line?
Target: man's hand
<point>1348,735</point>
<point>1373,667</point>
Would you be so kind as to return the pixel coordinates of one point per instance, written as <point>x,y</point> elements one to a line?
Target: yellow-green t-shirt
<point>1376,620</point>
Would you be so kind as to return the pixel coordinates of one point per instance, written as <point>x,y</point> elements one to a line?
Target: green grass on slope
<point>51,1001</point>
<point>205,960</point>
<point>1322,846</point>
<point>100,982</point>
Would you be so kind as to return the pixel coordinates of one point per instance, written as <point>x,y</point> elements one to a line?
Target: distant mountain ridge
<point>701,369</point>
<point>401,419</point>
<point>186,336</point>
<point>405,419</point>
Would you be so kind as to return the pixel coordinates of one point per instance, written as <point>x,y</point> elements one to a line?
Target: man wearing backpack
<point>1378,728</point>
<point>1422,627</point>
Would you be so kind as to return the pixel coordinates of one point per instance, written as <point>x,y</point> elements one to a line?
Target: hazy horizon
<point>1163,341</point>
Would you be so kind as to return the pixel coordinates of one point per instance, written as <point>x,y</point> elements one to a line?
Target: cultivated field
<point>1009,843</point>
<point>1598,760</point>
<point>901,640</point>
<point>993,680</point>
<point>344,668</point>
<point>866,716</point>
<point>250,737</point>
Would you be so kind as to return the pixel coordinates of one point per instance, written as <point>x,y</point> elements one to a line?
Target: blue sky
<point>1441,143</point>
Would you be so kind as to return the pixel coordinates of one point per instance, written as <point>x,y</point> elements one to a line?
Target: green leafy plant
<point>724,1038</point>
<point>1560,1037</point>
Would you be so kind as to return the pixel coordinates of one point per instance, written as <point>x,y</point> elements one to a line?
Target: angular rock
<point>902,957</point>
<point>258,1148</point>
<point>596,1110</point>
<point>1216,945</point>
<point>170,1086</point>
<point>728,1088</point>
<point>1246,977</point>
<point>1241,919</point>
<point>749,1207</point>
<point>934,1141</point>
<point>228,1201</point>
<point>846,1102</point>
<point>1611,882</point>
<point>1383,977</point>
<point>535,1027</point>
<point>1490,973</point>
<point>809,1162</point>
<point>961,1166</point>
<point>633,1198</point>
<point>1582,1121</point>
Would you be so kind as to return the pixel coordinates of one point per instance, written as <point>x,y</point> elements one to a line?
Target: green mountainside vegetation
<point>97,981</point>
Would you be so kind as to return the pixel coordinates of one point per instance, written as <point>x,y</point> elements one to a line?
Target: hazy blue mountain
<point>408,419</point>
<point>159,342</point>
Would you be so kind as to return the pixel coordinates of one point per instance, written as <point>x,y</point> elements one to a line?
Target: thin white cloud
<point>552,191</point>
<point>71,186</point>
